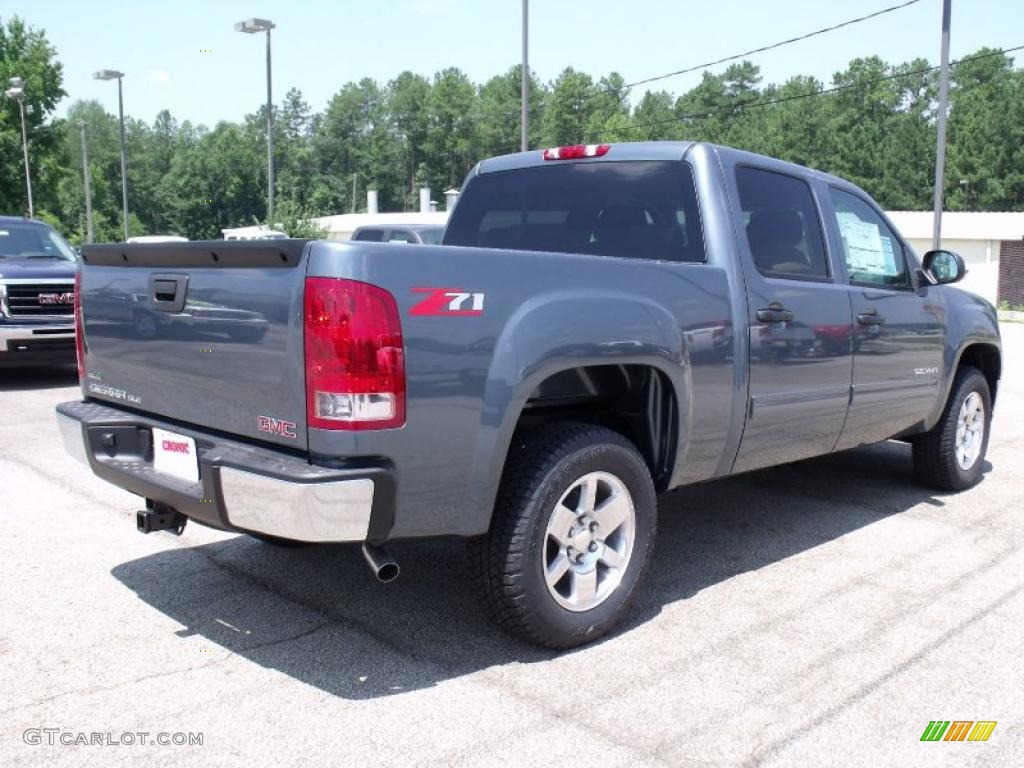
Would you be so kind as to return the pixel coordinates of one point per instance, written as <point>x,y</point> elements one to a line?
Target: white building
<point>342,226</point>
<point>980,237</point>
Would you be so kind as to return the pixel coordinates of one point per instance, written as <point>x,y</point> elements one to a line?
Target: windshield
<point>432,236</point>
<point>32,241</point>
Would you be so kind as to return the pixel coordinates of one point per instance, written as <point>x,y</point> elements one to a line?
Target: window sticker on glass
<point>866,249</point>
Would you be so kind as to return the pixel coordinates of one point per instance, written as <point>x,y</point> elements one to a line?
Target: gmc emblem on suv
<point>57,298</point>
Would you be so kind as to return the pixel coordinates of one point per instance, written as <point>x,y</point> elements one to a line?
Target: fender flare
<point>559,331</point>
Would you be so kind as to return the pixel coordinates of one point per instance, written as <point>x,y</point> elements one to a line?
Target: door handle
<point>774,314</point>
<point>870,318</point>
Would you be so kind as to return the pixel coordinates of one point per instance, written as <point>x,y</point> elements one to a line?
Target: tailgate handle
<point>167,292</point>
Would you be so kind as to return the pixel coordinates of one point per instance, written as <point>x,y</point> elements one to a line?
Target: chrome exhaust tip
<point>381,563</point>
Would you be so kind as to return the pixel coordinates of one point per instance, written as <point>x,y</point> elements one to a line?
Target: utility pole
<point>940,144</point>
<point>354,177</point>
<point>525,95</point>
<point>88,185</point>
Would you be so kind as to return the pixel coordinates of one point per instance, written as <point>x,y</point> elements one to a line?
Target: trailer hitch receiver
<point>160,517</point>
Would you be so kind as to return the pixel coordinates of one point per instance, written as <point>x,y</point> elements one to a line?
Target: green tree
<point>218,182</point>
<point>26,53</point>
<point>654,118</point>
<point>568,109</point>
<point>986,136</point>
<point>296,221</point>
<point>499,122</point>
<point>451,137</point>
<point>343,145</point>
<point>408,97</point>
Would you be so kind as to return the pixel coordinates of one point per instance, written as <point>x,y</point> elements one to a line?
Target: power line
<point>771,46</point>
<point>822,92</point>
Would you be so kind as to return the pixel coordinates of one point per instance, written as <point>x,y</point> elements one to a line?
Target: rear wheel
<point>952,455</point>
<point>572,535</point>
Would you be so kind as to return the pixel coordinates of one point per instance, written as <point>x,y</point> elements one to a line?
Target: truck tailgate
<point>206,332</point>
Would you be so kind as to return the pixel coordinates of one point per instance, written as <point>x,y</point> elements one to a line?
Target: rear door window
<point>782,225</point>
<point>629,209</point>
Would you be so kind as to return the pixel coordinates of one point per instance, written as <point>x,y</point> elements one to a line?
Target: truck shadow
<point>316,614</point>
<point>53,377</point>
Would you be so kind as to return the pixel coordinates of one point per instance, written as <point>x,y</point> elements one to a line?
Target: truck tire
<point>952,455</point>
<point>571,538</point>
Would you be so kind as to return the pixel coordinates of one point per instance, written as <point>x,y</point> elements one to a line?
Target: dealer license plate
<point>175,455</point>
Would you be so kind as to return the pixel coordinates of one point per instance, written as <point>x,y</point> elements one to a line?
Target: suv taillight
<point>355,365</point>
<point>79,327</point>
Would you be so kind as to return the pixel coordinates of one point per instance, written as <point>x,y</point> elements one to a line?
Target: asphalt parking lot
<point>816,614</point>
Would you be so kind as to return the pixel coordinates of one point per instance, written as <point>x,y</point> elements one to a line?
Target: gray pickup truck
<point>602,323</point>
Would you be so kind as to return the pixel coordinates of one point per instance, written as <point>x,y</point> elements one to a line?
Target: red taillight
<point>576,151</point>
<point>355,365</point>
<point>79,327</point>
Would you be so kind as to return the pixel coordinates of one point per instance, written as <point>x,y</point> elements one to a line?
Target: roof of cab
<point>634,150</point>
<point>649,150</point>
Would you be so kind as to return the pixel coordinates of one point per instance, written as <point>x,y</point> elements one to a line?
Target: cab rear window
<point>645,210</point>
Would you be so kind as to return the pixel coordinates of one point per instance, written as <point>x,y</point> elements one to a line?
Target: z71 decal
<point>448,301</point>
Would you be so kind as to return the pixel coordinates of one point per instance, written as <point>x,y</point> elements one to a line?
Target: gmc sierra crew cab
<point>601,324</point>
<point>37,280</point>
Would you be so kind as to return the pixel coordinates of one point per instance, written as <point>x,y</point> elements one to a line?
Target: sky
<point>185,56</point>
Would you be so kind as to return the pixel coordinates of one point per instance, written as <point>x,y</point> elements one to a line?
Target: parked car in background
<point>37,294</point>
<point>422,234</point>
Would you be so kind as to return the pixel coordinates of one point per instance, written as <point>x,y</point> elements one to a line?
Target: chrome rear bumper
<point>242,487</point>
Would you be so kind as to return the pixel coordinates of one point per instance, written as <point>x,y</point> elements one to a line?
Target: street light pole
<point>525,87</point>
<point>940,142</point>
<point>124,160</point>
<point>88,185</point>
<point>270,141</point>
<point>113,74</point>
<point>24,150</point>
<point>251,26</point>
<point>17,92</point>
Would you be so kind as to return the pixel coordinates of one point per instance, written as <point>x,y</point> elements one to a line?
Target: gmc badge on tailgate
<point>276,426</point>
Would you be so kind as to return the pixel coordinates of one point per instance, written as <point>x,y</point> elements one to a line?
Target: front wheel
<point>952,455</point>
<point>572,535</point>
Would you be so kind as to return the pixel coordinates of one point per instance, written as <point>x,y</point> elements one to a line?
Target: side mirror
<point>942,267</point>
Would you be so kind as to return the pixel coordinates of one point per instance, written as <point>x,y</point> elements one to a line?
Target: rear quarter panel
<point>468,375</point>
